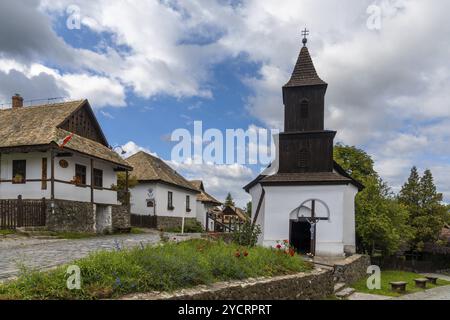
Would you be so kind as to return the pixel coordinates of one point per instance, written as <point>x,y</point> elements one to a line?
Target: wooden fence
<point>22,213</point>
<point>143,221</point>
<point>233,224</point>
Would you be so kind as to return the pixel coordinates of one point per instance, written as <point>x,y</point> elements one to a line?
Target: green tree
<point>428,214</point>
<point>229,200</point>
<point>381,221</point>
<point>123,197</point>
<point>248,210</point>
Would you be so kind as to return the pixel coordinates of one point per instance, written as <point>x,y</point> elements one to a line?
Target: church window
<point>304,109</point>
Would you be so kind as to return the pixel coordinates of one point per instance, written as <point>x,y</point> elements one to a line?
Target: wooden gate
<point>143,221</point>
<point>22,213</point>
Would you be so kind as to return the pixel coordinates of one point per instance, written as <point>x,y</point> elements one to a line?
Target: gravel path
<point>439,293</point>
<point>45,254</point>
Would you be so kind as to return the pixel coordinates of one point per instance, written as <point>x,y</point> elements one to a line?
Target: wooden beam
<point>52,173</point>
<point>92,180</point>
<point>258,209</point>
<point>313,231</point>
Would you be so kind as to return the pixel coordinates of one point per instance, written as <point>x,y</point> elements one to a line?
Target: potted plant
<point>18,178</point>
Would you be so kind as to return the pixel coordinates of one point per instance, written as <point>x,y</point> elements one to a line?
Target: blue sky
<point>149,67</point>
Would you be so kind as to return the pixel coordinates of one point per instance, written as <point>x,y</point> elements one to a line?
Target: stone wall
<point>303,286</point>
<point>351,269</point>
<point>165,223</point>
<point>70,216</point>
<point>120,218</point>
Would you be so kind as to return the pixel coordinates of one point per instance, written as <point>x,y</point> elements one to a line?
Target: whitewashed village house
<point>304,196</point>
<point>161,192</point>
<point>77,181</point>
<point>205,204</point>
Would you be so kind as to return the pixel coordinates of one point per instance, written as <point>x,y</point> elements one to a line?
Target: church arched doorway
<point>303,221</point>
<point>300,236</point>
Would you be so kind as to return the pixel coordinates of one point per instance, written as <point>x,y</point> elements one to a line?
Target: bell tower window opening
<point>303,159</point>
<point>304,109</point>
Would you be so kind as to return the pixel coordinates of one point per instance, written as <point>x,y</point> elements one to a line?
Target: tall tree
<point>410,194</point>
<point>248,210</point>
<point>229,200</point>
<point>428,214</point>
<point>381,221</point>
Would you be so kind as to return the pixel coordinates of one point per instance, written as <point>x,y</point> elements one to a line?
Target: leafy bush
<point>168,267</point>
<point>247,235</point>
<point>190,226</point>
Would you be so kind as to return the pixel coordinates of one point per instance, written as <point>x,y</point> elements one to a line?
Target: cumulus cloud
<point>219,179</point>
<point>130,148</point>
<point>387,88</point>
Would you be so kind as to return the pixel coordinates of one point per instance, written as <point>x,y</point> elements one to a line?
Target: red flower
<point>292,252</point>
<point>278,246</point>
<point>237,254</point>
<point>245,254</point>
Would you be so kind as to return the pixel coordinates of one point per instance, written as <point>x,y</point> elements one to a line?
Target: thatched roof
<point>148,168</point>
<point>204,196</point>
<point>39,125</point>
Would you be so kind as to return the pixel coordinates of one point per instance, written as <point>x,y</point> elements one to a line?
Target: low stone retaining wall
<point>70,216</point>
<point>303,286</point>
<point>73,216</point>
<point>351,269</point>
<point>120,218</point>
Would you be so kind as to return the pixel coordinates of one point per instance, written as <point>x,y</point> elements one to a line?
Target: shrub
<point>247,235</point>
<point>167,267</point>
<point>190,226</point>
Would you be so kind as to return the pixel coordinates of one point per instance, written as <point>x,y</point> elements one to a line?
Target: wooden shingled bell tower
<point>305,147</point>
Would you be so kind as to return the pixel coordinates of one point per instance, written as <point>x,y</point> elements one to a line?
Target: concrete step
<point>345,293</point>
<point>339,286</point>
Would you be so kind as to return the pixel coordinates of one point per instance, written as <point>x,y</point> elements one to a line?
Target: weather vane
<point>305,34</point>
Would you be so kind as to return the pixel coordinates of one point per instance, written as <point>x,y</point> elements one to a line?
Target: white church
<point>304,196</point>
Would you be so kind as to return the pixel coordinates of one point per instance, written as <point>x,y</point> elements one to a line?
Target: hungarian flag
<point>63,142</point>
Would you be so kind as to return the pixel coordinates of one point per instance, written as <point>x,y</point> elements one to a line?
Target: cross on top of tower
<point>305,34</point>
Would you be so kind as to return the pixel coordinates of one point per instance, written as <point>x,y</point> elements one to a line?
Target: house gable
<point>84,123</point>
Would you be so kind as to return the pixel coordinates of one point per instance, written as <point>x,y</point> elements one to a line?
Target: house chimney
<point>17,101</point>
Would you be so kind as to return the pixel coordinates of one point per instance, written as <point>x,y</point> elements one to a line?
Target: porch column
<point>52,173</point>
<point>92,181</point>
<point>127,194</point>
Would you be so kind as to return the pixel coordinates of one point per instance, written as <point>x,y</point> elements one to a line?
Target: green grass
<point>6,232</point>
<point>136,231</point>
<point>394,276</point>
<point>154,268</point>
<point>190,227</point>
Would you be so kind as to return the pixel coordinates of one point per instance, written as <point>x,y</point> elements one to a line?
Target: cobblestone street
<point>43,254</point>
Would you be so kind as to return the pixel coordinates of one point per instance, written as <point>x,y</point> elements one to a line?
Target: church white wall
<point>281,201</point>
<point>255,193</point>
<point>349,219</point>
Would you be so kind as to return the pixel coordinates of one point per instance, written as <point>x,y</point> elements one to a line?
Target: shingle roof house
<point>161,192</point>
<point>59,152</point>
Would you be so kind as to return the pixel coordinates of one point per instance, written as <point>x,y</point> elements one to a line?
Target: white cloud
<point>219,179</point>
<point>130,148</point>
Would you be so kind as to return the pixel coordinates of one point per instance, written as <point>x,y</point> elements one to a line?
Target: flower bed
<point>155,268</point>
